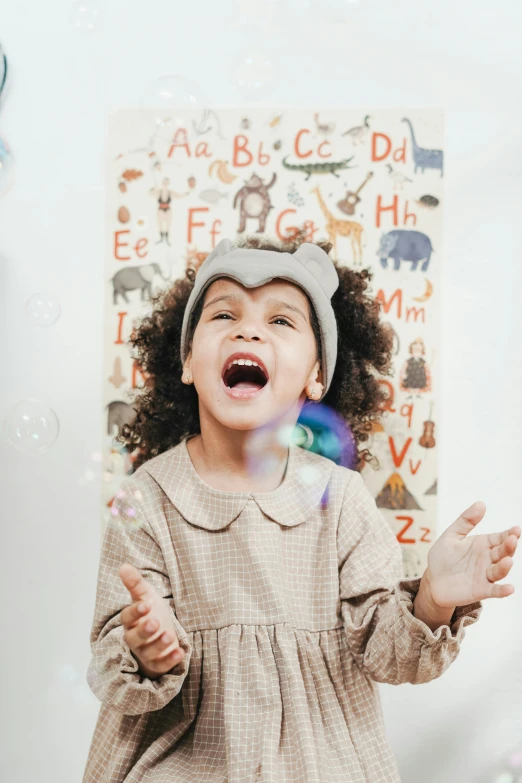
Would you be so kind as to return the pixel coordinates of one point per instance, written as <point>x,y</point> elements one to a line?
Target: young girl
<point>250,592</point>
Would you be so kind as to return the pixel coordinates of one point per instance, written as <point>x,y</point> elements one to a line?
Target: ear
<point>316,375</point>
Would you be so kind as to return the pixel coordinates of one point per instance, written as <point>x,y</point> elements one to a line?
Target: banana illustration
<point>222,172</point>
<point>426,295</point>
<point>275,121</point>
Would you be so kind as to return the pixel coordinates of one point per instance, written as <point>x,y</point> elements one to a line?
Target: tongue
<point>247,385</point>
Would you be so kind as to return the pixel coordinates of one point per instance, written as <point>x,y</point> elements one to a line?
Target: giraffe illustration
<point>343,228</point>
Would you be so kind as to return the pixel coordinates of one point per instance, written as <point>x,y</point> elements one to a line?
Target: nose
<point>247,336</point>
<point>248,333</point>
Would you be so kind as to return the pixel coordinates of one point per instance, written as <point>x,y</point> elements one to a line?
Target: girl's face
<point>272,322</point>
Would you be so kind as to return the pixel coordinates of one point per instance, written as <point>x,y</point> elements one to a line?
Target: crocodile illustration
<point>325,167</point>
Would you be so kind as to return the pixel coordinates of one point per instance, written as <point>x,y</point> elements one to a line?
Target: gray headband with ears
<point>309,267</point>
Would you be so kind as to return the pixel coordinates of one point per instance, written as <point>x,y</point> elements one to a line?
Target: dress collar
<point>301,491</point>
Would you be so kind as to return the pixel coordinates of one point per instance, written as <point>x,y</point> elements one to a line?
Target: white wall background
<point>460,55</point>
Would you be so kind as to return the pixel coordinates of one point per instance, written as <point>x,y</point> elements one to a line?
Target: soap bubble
<point>253,73</point>
<point>42,309</point>
<point>85,16</point>
<point>68,688</point>
<point>322,430</point>
<point>92,471</point>
<point>6,167</point>
<point>175,98</point>
<point>31,427</point>
<point>319,429</point>
<point>123,509</point>
<point>505,770</point>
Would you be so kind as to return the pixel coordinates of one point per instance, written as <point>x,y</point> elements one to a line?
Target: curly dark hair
<point>167,409</point>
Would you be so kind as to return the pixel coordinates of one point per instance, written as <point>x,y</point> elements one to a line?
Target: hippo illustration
<point>403,245</point>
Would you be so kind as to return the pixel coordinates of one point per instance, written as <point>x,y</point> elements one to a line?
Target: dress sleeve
<point>386,640</point>
<point>112,673</point>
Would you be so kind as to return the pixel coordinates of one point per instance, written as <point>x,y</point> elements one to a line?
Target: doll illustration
<point>165,196</point>
<point>415,375</point>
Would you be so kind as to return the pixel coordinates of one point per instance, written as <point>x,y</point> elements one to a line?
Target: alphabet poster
<point>368,180</point>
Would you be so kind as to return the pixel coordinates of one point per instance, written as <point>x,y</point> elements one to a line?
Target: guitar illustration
<point>350,201</point>
<point>427,439</point>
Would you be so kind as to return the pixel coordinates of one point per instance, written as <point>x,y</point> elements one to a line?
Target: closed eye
<point>220,315</point>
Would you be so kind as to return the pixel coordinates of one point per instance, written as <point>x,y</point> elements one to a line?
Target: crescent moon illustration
<point>426,295</point>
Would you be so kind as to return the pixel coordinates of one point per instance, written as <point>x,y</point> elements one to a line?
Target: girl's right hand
<point>157,650</point>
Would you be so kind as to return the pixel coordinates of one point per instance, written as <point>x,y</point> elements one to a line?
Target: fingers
<point>149,640</point>
<point>506,546</point>
<point>145,631</point>
<point>134,582</point>
<point>495,539</point>
<point>501,591</point>
<point>499,570</point>
<point>469,518</point>
<point>162,652</point>
<point>163,664</point>
<point>131,614</point>
<point>171,657</point>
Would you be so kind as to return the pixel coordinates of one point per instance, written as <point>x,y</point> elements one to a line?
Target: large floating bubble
<point>319,429</point>
<point>253,73</point>
<point>31,427</point>
<point>322,430</point>
<point>175,98</point>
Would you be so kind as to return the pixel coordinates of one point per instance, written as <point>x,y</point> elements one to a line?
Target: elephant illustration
<point>404,245</point>
<point>132,277</point>
<point>119,413</point>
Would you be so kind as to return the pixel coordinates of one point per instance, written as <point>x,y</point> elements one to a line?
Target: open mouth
<point>244,378</point>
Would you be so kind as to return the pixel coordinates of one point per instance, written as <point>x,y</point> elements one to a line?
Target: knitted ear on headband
<point>223,247</point>
<point>320,265</point>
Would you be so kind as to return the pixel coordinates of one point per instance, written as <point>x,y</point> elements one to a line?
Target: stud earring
<point>313,393</point>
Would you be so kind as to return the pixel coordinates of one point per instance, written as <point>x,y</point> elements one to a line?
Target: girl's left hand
<point>463,569</point>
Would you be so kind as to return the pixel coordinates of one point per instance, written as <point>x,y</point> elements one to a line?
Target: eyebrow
<point>237,298</point>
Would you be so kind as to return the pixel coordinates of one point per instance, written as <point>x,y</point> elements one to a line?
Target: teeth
<point>248,362</point>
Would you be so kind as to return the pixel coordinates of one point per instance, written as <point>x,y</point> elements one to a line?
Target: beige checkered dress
<point>291,606</point>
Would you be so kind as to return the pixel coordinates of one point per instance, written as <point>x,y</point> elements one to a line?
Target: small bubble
<point>85,16</point>
<point>42,309</point>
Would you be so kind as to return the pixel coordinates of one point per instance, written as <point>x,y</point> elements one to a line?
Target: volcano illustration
<point>433,489</point>
<point>395,495</point>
